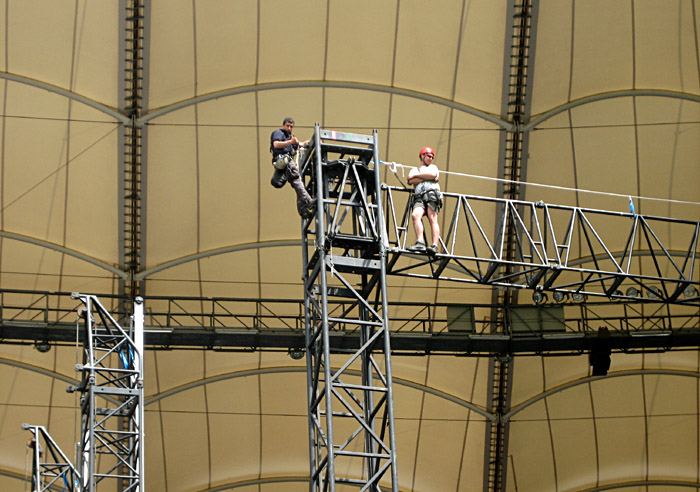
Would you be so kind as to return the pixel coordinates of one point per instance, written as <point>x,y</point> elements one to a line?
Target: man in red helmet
<point>427,200</point>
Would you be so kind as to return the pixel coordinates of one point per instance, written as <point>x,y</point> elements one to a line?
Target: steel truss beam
<point>351,422</point>
<point>545,236</point>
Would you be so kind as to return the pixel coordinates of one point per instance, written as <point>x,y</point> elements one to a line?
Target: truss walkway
<point>560,249</point>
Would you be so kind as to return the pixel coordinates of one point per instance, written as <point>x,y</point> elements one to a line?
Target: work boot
<point>419,247</point>
<point>432,250</point>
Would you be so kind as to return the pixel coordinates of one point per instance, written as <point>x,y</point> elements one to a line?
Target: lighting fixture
<point>632,292</point>
<point>690,291</point>
<point>539,297</point>
<point>653,292</point>
<point>43,346</point>
<point>559,296</point>
<point>296,353</point>
<point>578,297</point>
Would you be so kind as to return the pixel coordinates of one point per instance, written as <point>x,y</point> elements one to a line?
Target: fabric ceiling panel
<point>666,46</point>
<point>552,75</point>
<point>303,104</point>
<point>480,63</point>
<point>77,275</point>
<point>445,434</point>
<point>155,454</point>
<point>422,50</point>
<point>473,143</point>
<point>235,454</point>
<point>551,164</point>
<point>14,439</point>
<point>360,44</point>
<point>284,441</point>
<point>603,51</point>
<point>468,385</point>
<point>172,74</point>
<point>535,432</point>
<point>226,186</point>
<point>355,111</point>
<point>617,436</point>
<point>185,450</point>
<point>59,46</point>
<point>669,155</point>
<point>574,448</point>
<point>606,152</point>
<point>284,54</point>
<point>38,268</point>
<point>233,274</point>
<point>225,35</point>
<point>218,276</point>
<point>173,206</point>
<point>280,271</point>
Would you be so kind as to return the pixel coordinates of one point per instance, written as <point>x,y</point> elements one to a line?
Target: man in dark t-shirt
<point>284,145</point>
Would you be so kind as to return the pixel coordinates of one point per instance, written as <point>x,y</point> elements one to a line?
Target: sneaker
<point>419,247</point>
<point>432,250</point>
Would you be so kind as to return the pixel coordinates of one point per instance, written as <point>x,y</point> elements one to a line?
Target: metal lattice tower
<point>112,369</point>
<point>351,416</point>
<point>110,451</point>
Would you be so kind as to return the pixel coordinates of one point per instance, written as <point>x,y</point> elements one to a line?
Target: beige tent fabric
<point>614,98</point>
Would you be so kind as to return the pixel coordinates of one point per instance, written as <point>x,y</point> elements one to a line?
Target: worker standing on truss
<point>284,147</point>
<point>427,200</point>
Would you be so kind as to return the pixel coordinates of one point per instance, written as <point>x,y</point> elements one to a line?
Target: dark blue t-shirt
<point>282,136</point>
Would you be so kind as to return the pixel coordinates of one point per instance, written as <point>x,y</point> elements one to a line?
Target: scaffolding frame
<point>351,423</point>
<point>112,367</point>
<point>112,436</point>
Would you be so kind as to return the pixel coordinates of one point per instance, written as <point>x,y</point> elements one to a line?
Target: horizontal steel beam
<point>45,318</point>
<point>418,343</point>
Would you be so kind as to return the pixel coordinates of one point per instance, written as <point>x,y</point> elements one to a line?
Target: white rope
<point>394,165</point>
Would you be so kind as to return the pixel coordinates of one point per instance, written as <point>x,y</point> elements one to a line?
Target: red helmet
<point>426,150</point>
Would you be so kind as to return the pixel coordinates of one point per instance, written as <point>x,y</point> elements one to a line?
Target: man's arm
<point>429,173</point>
<point>280,144</point>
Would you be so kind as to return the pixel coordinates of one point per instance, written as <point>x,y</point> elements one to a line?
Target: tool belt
<point>282,161</point>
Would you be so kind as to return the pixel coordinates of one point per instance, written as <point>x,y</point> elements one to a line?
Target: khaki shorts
<point>418,203</point>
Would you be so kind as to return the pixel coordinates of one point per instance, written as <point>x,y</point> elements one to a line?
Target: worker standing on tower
<point>284,146</point>
<point>427,200</point>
